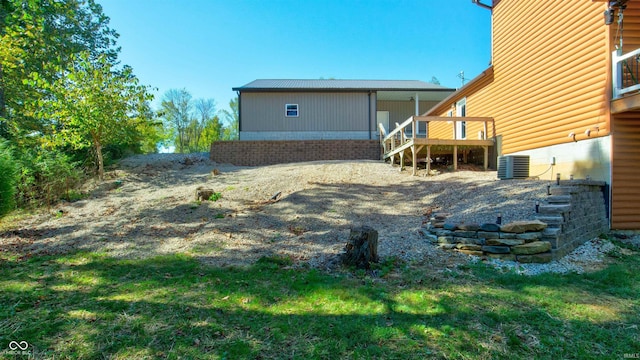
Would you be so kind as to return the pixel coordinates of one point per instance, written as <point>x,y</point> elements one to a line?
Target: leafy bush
<point>8,172</point>
<point>46,177</point>
<point>215,196</point>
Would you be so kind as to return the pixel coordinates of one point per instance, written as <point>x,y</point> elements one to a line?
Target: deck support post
<point>455,157</point>
<point>428,159</point>
<point>486,158</point>
<point>414,159</point>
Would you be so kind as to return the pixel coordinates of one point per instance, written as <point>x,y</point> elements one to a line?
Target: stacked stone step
<point>575,212</point>
<point>519,241</point>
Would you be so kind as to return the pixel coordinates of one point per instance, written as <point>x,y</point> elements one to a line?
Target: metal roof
<point>339,85</point>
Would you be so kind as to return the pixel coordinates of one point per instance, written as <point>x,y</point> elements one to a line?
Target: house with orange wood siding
<point>563,88</point>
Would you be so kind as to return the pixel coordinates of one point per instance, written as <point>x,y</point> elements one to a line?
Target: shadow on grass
<point>88,305</point>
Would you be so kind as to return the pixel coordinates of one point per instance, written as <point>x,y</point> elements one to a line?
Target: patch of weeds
<point>275,237</point>
<point>215,196</point>
<point>274,262</point>
<point>229,188</point>
<point>207,248</point>
<point>359,273</point>
<point>74,195</point>
<point>616,253</point>
<point>194,205</point>
<point>219,216</point>
<point>388,265</point>
<point>297,230</point>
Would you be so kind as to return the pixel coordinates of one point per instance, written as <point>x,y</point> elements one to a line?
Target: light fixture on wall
<point>412,99</point>
<point>572,135</point>
<point>588,131</point>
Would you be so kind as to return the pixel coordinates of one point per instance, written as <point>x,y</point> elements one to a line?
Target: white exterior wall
<point>589,157</point>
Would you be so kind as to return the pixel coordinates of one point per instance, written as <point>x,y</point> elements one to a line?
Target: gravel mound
<point>148,207</point>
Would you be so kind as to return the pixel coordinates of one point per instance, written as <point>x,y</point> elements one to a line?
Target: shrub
<point>8,172</point>
<point>45,177</point>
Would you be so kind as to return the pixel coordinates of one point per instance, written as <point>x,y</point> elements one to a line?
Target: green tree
<point>211,133</point>
<point>8,169</point>
<point>176,111</point>
<point>232,119</point>
<point>93,105</point>
<point>43,37</point>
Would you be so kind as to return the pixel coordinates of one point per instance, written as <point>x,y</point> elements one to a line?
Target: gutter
<point>485,6</point>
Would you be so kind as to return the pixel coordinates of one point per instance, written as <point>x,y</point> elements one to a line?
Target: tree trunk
<point>362,248</point>
<point>100,160</point>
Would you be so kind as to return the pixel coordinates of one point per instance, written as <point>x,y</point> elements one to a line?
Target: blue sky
<point>210,46</point>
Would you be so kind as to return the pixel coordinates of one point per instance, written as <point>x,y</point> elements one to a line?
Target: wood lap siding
<point>551,75</point>
<point>625,165</point>
<point>625,192</point>
<point>550,72</point>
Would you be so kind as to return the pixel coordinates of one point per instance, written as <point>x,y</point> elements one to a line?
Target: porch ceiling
<point>407,95</point>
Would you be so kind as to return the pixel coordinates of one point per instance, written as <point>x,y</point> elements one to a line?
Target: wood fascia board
<point>471,87</point>
<point>625,104</point>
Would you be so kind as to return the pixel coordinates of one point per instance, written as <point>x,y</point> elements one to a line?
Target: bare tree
<point>176,110</point>
<point>205,111</point>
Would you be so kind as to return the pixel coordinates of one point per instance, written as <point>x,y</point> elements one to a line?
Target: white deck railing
<point>625,72</point>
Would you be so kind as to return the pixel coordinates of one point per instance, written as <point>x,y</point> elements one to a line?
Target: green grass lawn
<point>87,305</point>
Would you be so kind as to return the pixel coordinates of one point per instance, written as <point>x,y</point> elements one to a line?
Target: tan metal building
<point>559,92</point>
<point>290,109</point>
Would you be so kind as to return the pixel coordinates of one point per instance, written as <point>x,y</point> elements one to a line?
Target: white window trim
<point>286,110</point>
<point>461,124</point>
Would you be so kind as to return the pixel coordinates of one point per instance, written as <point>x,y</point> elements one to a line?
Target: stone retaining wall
<point>573,213</point>
<point>257,153</point>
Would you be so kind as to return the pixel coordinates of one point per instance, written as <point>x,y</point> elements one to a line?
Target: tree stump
<point>362,248</point>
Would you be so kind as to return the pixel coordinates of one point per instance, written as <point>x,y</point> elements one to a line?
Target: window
<point>291,110</point>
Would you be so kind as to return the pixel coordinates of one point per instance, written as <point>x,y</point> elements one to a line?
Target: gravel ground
<point>148,207</point>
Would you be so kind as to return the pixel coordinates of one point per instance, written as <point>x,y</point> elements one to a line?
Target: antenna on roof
<point>461,76</point>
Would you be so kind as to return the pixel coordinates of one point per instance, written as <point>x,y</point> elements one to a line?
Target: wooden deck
<point>398,143</point>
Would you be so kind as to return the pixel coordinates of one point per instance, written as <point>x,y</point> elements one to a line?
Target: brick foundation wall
<point>257,153</point>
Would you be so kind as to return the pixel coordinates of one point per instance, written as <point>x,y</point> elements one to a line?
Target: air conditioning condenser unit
<point>513,167</point>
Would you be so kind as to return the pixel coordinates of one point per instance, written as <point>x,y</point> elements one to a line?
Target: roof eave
<point>252,89</point>
<point>461,91</point>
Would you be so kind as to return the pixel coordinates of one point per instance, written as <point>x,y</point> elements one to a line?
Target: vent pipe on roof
<point>477,2</point>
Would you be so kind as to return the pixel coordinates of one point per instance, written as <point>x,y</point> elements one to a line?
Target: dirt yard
<point>148,207</point>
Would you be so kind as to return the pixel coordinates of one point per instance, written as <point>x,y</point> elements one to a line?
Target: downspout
<point>369,119</point>
<point>490,8</point>
<point>485,6</point>
<point>238,93</point>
